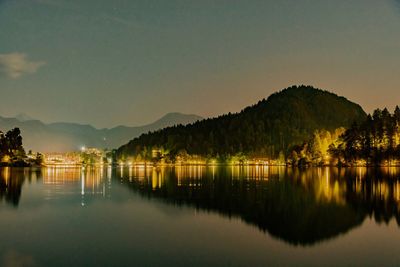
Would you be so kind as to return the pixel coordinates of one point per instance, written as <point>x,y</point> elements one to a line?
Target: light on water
<point>199,216</point>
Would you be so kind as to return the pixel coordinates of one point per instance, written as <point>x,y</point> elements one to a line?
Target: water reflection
<point>93,183</point>
<point>12,180</point>
<point>301,207</point>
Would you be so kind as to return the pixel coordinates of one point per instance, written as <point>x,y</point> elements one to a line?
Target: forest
<point>374,141</point>
<point>270,129</point>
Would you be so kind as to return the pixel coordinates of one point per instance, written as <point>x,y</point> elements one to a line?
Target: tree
<point>11,143</point>
<point>376,140</point>
<point>39,159</point>
<point>14,142</point>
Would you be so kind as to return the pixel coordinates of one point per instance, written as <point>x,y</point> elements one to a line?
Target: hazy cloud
<point>14,65</point>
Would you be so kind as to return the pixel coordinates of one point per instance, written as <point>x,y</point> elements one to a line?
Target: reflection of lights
<point>83,184</point>
<point>154,180</point>
<point>6,175</point>
<point>130,173</point>
<point>324,183</point>
<point>109,170</point>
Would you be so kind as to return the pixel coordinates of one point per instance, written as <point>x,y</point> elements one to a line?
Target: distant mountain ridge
<point>267,129</point>
<point>65,136</point>
<point>24,117</point>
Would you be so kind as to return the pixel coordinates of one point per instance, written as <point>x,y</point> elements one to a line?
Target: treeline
<point>12,151</point>
<point>268,129</point>
<point>375,141</point>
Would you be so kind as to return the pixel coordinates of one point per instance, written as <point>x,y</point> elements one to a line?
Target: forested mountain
<point>64,137</point>
<point>271,127</point>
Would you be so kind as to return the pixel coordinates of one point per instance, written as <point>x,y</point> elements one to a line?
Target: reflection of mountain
<point>375,192</point>
<point>60,137</point>
<point>300,207</point>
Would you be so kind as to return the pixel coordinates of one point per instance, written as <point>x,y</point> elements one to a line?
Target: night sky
<point>129,62</point>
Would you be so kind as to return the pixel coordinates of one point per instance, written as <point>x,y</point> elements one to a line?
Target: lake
<point>199,216</point>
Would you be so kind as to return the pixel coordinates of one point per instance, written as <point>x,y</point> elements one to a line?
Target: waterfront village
<point>96,156</point>
<point>86,156</point>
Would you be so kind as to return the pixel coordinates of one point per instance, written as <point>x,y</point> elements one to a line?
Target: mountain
<point>24,117</point>
<point>175,118</point>
<point>63,137</point>
<point>273,125</point>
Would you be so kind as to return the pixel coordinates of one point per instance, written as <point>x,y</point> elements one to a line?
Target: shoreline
<point>152,165</point>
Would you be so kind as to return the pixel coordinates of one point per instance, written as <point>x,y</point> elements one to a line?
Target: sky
<point>130,62</point>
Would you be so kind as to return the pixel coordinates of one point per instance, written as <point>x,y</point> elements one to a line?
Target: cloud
<point>13,65</point>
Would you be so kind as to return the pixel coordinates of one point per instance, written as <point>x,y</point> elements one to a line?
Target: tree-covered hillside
<point>374,141</point>
<point>269,128</point>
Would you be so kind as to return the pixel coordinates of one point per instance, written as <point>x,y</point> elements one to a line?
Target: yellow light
<point>6,159</point>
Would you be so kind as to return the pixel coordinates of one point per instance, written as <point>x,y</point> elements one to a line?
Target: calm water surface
<point>199,216</point>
